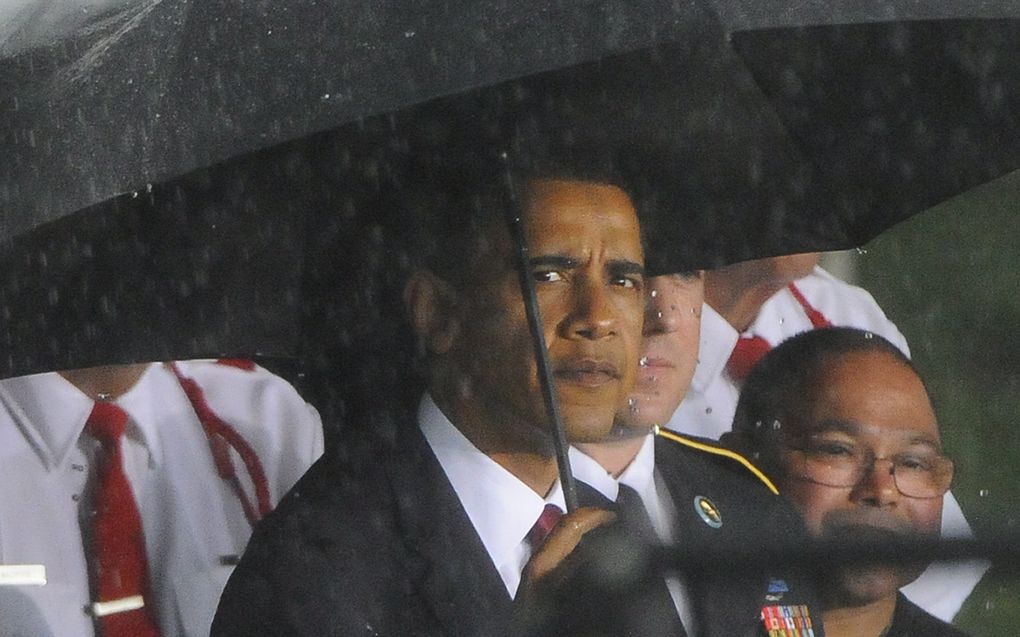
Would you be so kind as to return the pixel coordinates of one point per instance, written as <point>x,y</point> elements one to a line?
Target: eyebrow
<point>624,266</point>
<point>555,260</point>
<point>616,266</point>
<point>853,428</point>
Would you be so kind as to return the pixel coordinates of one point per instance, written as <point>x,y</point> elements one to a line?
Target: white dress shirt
<point>641,476</point>
<point>501,507</point>
<point>193,522</point>
<point>708,408</point>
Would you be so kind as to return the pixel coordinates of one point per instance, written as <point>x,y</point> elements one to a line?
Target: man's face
<point>872,403</point>
<point>669,350</point>
<point>587,262</point>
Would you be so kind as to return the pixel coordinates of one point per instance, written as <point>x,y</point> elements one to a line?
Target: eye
<point>830,448</point>
<point>914,463</point>
<point>546,276</point>
<point>630,282</point>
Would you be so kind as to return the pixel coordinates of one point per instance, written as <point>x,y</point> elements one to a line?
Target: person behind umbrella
<point>132,490</point>
<point>753,306</point>
<point>673,478</point>
<point>844,421</point>
<point>434,534</point>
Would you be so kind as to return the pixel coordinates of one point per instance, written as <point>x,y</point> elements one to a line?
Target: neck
<point>539,472</point>
<point>737,293</point>
<point>738,305</point>
<point>861,621</point>
<point>105,383</point>
<point>614,456</point>
<point>527,453</point>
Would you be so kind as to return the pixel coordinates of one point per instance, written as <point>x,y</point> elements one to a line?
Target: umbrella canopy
<point>895,116</point>
<point>236,259</point>
<point>185,271</point>
<point>150,90</point>
<point>103,97</point>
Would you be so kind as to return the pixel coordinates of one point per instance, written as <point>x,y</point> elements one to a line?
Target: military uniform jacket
<point>723,507</point>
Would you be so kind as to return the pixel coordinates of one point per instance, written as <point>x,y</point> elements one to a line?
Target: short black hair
<point>458,164</point>
<point>789,375</point>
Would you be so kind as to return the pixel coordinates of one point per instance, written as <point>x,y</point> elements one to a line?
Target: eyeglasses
<point>920,474</point>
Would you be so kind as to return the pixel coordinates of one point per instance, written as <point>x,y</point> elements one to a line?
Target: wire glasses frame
<point>916,475</point>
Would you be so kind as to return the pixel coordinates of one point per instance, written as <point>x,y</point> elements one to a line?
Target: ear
<point>431,304</point>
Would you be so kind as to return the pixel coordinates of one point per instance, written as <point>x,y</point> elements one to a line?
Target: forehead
<point>670,287</point>
<point>873,395</point>
<point>566,213</point>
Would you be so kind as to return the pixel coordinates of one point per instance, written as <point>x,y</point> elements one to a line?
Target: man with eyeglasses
<point>844,423</point>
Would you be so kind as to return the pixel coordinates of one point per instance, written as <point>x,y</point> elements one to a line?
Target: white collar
<point>718,338</point>
<point>51,412</point>
<point>589,471</point>
<point>639,474</point>
<point>501,508</point>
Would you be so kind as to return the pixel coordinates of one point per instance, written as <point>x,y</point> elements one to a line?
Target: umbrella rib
<point>545,377</point>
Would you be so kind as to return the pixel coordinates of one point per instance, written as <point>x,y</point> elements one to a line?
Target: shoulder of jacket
<point>717,451</point>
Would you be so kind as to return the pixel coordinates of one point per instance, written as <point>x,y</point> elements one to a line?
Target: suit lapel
<point>449,565</point>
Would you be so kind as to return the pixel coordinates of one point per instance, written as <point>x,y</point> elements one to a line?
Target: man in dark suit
<point>434,536</point>
<point>696,495</point>
<point>844,421</point>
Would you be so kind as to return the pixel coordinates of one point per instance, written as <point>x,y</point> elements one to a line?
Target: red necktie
<point>746,354</point>
<point>750,349</point>
<point>551,514</point>
<point>121,573</point>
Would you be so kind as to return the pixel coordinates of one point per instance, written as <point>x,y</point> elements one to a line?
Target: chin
<point>587,424</point>
<point>647,411</point>
<point>851,587</point>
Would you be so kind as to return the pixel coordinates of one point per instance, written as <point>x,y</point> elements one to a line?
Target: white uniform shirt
<point>708,408</point>
<point>193,522</point>
<point>501,507</point>
<point>641,476</point>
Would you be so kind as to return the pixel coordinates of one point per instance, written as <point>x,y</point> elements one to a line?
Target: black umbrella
<point>207,263</point>
<point>159,89</point>
<point>153,90</point>
<point>111,101</point>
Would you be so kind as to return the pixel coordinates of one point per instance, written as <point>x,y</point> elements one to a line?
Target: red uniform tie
<point>750,349</point>
<point>551,514</point>
<point>119,564</point>
<point>746,354</point>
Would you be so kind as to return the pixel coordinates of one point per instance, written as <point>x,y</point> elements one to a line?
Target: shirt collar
<point>639,474</point>
<point>52,412</point>
<point>718,338</point>
<point>501,508</point>
<point>143,402</point>
<point>589,471</point>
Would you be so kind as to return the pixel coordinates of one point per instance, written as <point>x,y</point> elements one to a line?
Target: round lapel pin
<point>707,511</point>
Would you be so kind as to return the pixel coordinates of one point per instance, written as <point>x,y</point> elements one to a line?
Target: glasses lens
<point>838,464</point>
<point>923,477</point>
<point>828,463</point>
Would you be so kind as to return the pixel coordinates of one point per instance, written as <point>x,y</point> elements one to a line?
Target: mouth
<point>586,372</point>
<point>877,528</point>
<point>651,362</point>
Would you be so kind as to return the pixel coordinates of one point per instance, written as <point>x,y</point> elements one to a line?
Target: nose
<point>661,317</point>
<point>877,486</point>
<point>594,315</point>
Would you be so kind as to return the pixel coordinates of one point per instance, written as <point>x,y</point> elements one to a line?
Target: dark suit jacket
<point>366,544</point>
<point>370,544</point>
